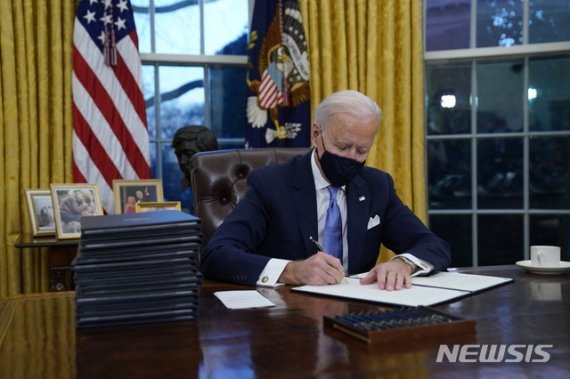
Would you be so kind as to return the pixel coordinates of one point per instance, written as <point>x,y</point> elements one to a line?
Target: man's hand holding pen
<point>321,248</point>
<point>319,269</point>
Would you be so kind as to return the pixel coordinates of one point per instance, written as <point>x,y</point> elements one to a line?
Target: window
<point>498,126</point>
<point>194,69</point>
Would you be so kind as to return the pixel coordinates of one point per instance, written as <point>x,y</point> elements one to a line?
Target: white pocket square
<point>373,221</point>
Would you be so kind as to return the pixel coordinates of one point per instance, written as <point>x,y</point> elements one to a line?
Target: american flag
<point>110,138</point>
<point>270,93</point>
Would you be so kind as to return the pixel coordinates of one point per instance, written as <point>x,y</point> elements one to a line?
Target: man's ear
<point>315,133</point>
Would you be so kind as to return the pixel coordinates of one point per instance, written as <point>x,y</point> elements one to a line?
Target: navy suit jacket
<point>279,213</point>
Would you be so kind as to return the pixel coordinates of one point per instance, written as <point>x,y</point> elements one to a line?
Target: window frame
<point>204,61</point>
<point>474,55</point>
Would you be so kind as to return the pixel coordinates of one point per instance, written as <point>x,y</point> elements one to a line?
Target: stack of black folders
<point>137,268</point>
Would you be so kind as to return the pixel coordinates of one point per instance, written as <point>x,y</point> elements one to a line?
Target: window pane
<point>449,174</point>
<point>456,231</point>
<point>141,12</point>
<point>499,173</point>
<point>500,88</point>
<point>149,93</point>
<point>550,172</point>
<point>551,230</point>
<point>500,239</point>
<point>226,27</point>
<point>447,24</point>
<point>549,93</point>
<point>177,26</point>
<point>499,23</point>
<point>549,21</point>
<point>227,102</point>
<point>448,91</point>
<point>181,98</point>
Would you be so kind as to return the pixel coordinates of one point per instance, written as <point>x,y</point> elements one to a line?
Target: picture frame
<point>158,206</point>
<point>70,203</point>
<point>126,193</point>
<point>41,213</point>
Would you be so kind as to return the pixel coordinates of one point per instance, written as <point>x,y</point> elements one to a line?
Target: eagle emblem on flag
<point>278,76</point>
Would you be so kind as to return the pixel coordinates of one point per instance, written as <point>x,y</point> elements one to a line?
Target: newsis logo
<point>485,353</point>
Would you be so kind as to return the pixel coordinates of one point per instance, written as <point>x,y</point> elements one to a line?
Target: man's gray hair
<point>348,102</point>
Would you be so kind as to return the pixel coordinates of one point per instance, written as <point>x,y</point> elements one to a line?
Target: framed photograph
<point>41,212</point>
<point>70,203</point>
<point>158,206</point>
<point>127,193</point>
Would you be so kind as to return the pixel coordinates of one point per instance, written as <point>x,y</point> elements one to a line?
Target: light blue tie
<point>332,235</point>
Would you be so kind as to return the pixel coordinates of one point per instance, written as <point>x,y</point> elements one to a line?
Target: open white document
<point>425,291</point>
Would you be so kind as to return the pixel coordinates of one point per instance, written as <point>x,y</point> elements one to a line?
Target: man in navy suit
<point>266,239</point>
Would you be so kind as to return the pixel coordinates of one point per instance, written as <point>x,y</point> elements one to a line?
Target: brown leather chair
<point>219,180</point>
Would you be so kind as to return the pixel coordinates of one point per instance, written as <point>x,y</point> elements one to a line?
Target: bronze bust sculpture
<point>188,141</point>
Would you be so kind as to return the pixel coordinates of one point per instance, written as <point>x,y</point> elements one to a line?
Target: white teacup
<point>545,256</point>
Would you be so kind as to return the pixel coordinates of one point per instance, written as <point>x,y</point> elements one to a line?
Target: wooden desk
<point>61,254</point>
<point>38,338</point>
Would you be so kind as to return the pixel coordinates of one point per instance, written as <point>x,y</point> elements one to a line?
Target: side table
<point>61,254</point>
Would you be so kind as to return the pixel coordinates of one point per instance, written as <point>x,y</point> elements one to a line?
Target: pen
<point>321,248</point>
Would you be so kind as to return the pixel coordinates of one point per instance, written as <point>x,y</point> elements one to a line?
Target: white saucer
<point>549,270</point>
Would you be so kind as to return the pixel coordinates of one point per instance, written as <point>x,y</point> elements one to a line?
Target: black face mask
<point>339,170</point>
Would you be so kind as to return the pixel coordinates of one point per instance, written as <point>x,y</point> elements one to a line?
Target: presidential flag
<point>110,138</point>
<point>278,100</point>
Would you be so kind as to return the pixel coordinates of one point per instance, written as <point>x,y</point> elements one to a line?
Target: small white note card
<point>243,299</point>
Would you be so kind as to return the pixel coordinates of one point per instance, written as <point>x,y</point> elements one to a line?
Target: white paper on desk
<point>414,296</point>
<point>243,299</point>
<point>458,281</point>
